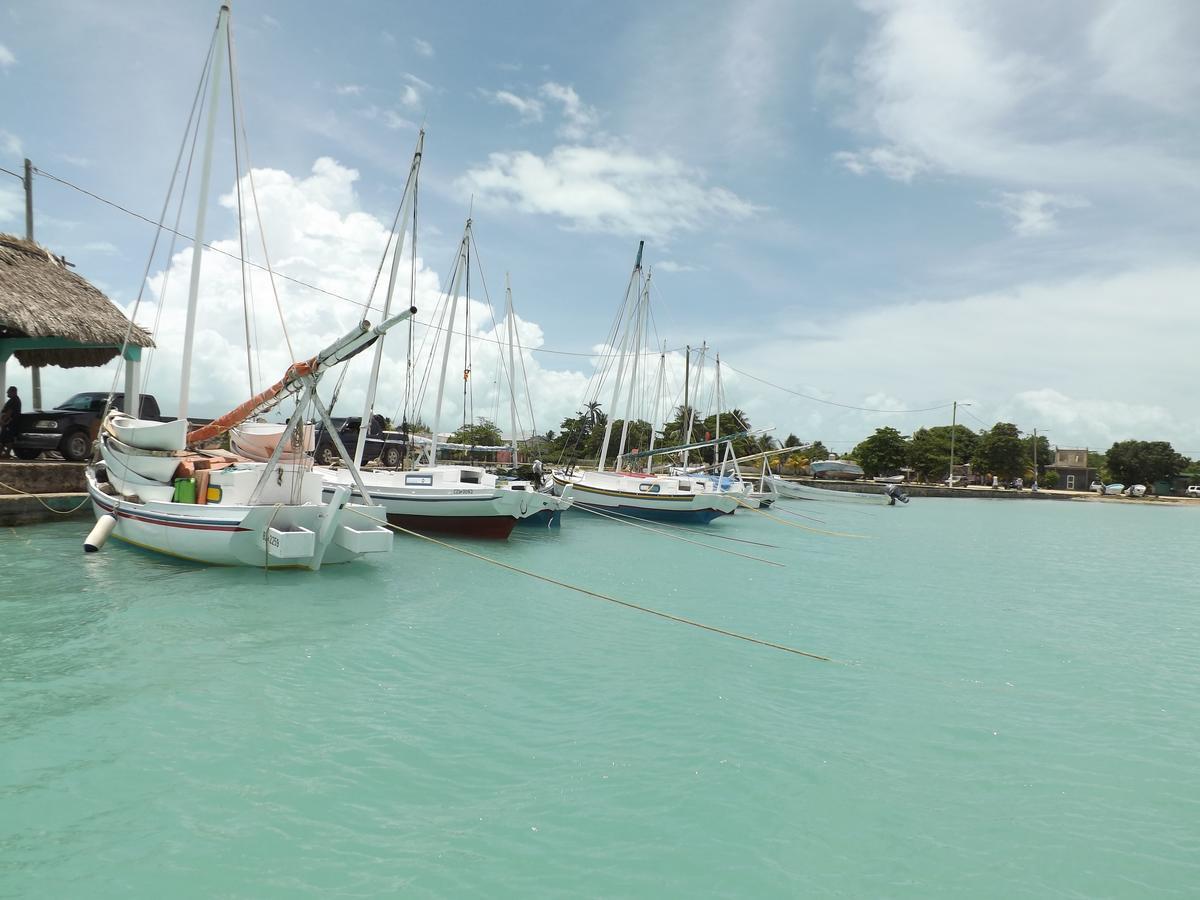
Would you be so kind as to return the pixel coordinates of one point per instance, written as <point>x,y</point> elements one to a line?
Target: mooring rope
<point>670,617</point>
<point>720,537</point>
<point>797,524</point>
<point>677,537</point>
<point>61,512</point>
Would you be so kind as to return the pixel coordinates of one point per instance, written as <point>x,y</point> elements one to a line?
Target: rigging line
<point>241,211</point>
<point>262,234</point>
<point>670,617</point>
<point>412,302</point>
<point>676,537</point>
<point>188,237</point>
<point>187,179</point>
<point>192,116</point>
<point>831,402</point>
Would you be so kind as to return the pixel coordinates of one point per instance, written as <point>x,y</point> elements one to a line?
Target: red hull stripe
<point>165,520</point>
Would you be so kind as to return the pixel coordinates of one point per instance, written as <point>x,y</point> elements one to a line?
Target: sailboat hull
<point>306,536</point>
<point>607,493</point>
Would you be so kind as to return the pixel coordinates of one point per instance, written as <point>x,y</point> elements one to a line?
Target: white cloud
<point>316,232</point>
<point>1098,341</point>
<point>7,58</point>
<point>410,97</point>
<point>270,21</point>
<point>1034,213</point>
<point>82,162</point>
<point>895,164</point>
<point>423,47</point>
<point>965,89</point>
<point>579,119</point>
<point>10,143</point>
<point>669,265</point>
<point>606,189</point>
<point>349,90</point>
<point>12,204</point>
<point>528,108</point>
<point>103,248</point>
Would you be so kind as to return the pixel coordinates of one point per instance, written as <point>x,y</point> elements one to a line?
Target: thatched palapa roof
<point>41,298</point>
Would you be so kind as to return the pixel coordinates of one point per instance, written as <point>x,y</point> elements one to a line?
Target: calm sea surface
<point>1015,712</point>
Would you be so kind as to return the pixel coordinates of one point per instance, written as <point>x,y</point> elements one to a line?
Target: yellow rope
<point>597,595</point>
<point>61,512</point>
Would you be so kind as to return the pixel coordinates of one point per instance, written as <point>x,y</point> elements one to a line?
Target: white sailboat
<point>678,498</point>
<point>148,489</point>
<point>455,499</point>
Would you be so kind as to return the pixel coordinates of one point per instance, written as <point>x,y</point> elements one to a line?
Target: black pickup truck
<point>71,427</point>
<point>388,447</point>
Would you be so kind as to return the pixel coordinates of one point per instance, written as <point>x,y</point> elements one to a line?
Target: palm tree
<point>592,412</point>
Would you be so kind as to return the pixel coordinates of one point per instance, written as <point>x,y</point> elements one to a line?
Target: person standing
<point>8,422</point>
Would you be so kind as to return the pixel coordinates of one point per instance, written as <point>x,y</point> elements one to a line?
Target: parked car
<point>71,427</point>
<point>388,447</point>
<point>1193,490</point>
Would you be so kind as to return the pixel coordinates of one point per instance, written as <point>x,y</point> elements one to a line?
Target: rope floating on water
<point>670,617</point>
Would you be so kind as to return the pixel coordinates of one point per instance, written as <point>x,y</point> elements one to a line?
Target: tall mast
<point>467,325</point>
<point>717,435</point>
<point>214,98</point>
<point>512,376</point>
<point>455,282</point>
<point>686,411</point>
<point>406,202</point>
<point>658,398</point>
<point>640,318</point>
<point>634,279</point>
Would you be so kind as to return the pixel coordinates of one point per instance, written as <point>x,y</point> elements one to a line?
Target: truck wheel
<point>325,455</point>
<point>390,457</point>
<point>27,453</point>
<point>75,446</point>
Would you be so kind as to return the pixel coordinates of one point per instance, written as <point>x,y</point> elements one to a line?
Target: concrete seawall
<point>982,492</point>
<point>41,491</point>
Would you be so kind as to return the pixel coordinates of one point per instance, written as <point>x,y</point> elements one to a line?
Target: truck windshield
<point>80,402</point>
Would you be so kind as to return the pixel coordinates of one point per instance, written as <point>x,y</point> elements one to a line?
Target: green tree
<point>792,441</point>
<point>884,451</point>
<point>1001,451</point>
<point>929,450</point>
<point>1143,462</point>
<point>1050,479</point>
<point>816,451</point>
<point>1045,455</point>
<point>483,433</point>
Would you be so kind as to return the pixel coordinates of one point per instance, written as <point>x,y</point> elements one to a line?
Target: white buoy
<point>99,534</point>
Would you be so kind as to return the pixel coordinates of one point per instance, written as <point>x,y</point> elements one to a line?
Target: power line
<point>946,405</point>
<point>361,304</point>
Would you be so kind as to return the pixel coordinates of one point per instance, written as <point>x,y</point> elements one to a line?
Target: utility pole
<point>953,433</point>
<point>35,374</point>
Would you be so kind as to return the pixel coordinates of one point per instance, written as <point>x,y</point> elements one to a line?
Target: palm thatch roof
<point>41,298</point>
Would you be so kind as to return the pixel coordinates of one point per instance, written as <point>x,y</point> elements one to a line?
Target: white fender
<point>99,534</point>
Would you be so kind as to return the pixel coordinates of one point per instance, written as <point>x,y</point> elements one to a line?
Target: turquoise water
<point>1015,713</point>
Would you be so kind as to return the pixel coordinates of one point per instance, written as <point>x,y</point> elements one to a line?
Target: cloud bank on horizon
<point>919,201</point>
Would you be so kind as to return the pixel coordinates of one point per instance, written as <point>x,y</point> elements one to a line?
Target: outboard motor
<point>894,493</point>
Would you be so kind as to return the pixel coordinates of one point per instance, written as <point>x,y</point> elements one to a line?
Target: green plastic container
<point>185,490</point>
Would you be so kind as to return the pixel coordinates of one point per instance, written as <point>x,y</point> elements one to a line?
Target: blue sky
<point>885,204</point>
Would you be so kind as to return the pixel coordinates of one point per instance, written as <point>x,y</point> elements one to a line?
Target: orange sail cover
<point>259,403</point>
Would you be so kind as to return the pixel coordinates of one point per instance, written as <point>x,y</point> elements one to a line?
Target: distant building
<point>1074,473</point>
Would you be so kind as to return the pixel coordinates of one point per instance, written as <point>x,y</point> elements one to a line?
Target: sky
<point>891,205</point>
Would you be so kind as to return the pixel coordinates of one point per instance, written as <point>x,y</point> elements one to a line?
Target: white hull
<point>652,497</point>
<point>146,434</point>
<point>436,498</point>
<point>273,536</point>
<point>156,465</point>
<point>257,441</point>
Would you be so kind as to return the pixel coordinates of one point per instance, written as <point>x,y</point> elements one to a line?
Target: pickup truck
<point>71,427</point>
<point>388,447</point>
